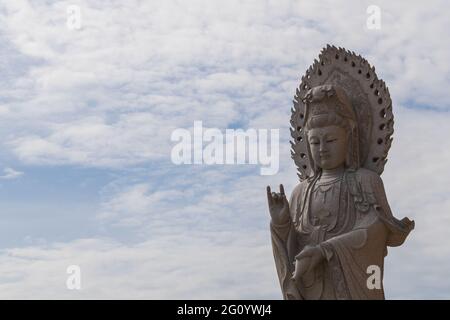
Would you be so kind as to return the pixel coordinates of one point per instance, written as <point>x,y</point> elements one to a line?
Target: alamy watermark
<point>374,279</point>
<point>234,146</point>
<point>373,21</point>
<point>73,17</point>
<point>73,281</point>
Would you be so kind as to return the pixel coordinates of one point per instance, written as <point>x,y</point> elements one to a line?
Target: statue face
<point>328,146</point>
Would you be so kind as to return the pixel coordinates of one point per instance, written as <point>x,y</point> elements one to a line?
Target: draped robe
<point>353,227</point>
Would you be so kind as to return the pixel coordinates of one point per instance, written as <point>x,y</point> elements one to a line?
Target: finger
<point>301,255</point>
<point>300,268</point>
<point>304,254</point>
<point>282,190</point>
<point>296,274</point>
<point>303,267</point>
<point>311,265</point>
<point>283,195</point>
<point>275,196</point>
<point>315,260</point>
<point>269,196</point>
<point>285,200</point>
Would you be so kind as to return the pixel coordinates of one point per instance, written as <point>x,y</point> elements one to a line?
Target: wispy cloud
<point>10,173</point>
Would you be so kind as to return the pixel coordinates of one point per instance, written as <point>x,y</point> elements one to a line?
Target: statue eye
<point>331,140</point>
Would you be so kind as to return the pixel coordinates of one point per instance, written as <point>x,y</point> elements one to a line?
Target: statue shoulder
<point>298,189</point>
<point>366,188</point>
<point>368,177</point>
<point>296,197</point>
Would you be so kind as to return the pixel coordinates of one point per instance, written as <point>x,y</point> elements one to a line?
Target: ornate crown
<point>368,97</point>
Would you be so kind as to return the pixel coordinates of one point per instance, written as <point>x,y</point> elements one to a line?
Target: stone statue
<point>334,232</point>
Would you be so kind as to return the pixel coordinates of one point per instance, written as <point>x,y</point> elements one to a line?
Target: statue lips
<point>324,158</point>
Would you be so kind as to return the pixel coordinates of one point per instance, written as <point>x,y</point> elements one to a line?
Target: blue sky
<point>86,117</point>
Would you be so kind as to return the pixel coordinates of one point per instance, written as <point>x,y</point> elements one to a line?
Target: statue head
<point>331,128</point>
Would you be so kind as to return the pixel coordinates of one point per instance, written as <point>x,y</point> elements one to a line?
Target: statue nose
<point>323,152</point>
<point>322,148</point>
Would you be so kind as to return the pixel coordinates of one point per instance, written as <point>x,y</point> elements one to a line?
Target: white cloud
<point>10,173</point>
<point>172,267</point>
<point>179,62</point>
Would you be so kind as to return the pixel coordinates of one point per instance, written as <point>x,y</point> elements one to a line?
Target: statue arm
<point>398,229</point>
<point>379,212</point>
<point>376,228</point>
<point>285,247</point>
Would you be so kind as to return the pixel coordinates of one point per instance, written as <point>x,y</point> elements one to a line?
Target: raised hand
<point>278,206</point>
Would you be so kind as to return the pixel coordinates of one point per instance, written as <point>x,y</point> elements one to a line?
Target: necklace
<point>325,186</point>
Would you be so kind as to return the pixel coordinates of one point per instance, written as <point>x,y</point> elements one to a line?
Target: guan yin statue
<point>334,232</point>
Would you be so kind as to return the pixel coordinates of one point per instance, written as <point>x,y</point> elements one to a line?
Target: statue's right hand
<point>301,267</point>
<point>278,206</point>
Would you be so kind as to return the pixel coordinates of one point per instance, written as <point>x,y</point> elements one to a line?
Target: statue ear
<point>312,163</point>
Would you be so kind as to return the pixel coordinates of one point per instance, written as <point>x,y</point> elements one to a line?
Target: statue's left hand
<point>307,260</point>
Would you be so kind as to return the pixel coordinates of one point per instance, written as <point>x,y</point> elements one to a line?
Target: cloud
<point>171,267</point>
<point>171,63</point>
<point>10,173</point>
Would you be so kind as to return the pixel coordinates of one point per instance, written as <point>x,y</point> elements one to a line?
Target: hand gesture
<point>278,206</point>
<point>307,260</point>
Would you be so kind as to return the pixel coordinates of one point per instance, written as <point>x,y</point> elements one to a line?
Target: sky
<point>86,116</point>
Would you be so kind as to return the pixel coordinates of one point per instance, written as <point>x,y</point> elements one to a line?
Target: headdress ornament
<point>345,75</point>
